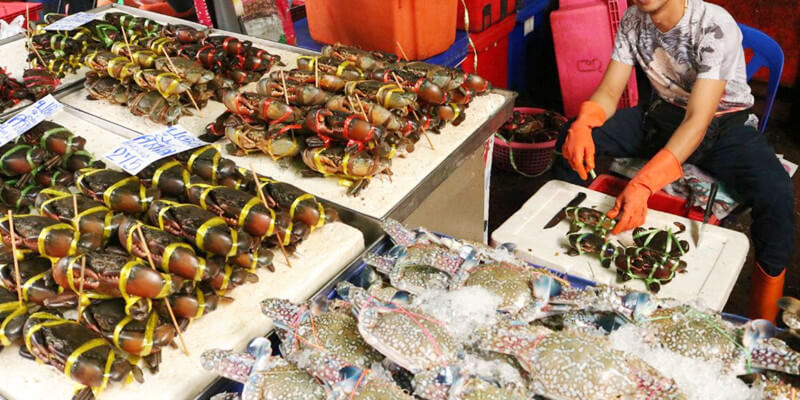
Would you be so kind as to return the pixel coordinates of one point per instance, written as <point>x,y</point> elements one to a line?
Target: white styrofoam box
<point>712,269</point>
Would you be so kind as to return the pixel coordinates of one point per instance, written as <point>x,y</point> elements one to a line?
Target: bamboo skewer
<point>14,255</point>
<point>83,262</point>
<point>175,70</point>
<point>264,200</point>
<point>127,44</point>
<point>402,51</point>
<point>28,37</point>
<point>361,106</point>
<point>424,133</point>
<point>285,90</point>
<point>316,71</point>
<point>166,300</point>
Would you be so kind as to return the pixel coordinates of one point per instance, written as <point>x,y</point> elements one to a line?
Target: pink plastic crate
<point>583,37</point>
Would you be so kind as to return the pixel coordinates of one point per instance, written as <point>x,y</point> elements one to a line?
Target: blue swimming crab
<point>695,332</point>
<point>571,365</point>
<point>405,335</point>
<point>346,381</point>
<point>418,267</point>
<point>471,380</point>
<point>265,377</point>
<point>307,326</point>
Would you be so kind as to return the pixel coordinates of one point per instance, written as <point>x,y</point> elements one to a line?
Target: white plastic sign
<point>71,22</point>
<point>28,118</point>
<point>135,154</point>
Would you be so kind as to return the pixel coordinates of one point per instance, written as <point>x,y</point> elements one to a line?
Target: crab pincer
<point>53,138</point>
<point>209,232</point>
<point>47,236</point>
<point>94,219</point>
<point>82,354</point>
<point>170,253</point>
<point>207,162</point>
<point>113,273</point>
<point>118,190</point>
<point>190,305</point>
<point>20,159</point>
<point>140,338</point>
<point>12,317</point>
<point>239,208</point>
<point>35,277</point>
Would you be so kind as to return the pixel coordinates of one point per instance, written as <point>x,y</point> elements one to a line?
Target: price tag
<point>135,154</point>
<point>71,22</point>
<point>28,118</point>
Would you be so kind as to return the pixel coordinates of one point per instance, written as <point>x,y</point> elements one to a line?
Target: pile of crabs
<point>384,339</point>
<point>655,258</point>
<point>346,113</point>
<point>157,71</point>
<point>138,256</point>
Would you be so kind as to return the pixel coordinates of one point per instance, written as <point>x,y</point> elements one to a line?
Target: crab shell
<point>55,341</point>
<point>587,367</point>
<point>408,337</point>
<point>335,330</point>
<point>278,380</point>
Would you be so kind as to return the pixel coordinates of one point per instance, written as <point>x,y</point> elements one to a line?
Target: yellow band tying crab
<point>226,280</point>
<point>386,91</point>
<point>311,60</point>
<point>108,192</point>
<point>201,304</point>
<point>320,208</point>
<point>86,347</point>
<point>18,309</point>
<point>168,254</point>
<point>166,167</point>
<point>49,320</point>
<point>172,85</point>
<point>246,210</point>
<point>106,220</point>
<point>41,242</point>
<point>27,285</point>
<point>456,109</point>
<point>149,331</point>
<point>214,161</point>
<point>151,57</point>
<point>342,66</point>
<point>202,231</point>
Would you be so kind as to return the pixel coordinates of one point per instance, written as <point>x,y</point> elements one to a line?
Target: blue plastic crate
<point>530,17</point>
<point>450,58</point>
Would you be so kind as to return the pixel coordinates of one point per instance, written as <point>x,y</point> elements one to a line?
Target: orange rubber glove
<point>662,169</point>
<point>578,149</point>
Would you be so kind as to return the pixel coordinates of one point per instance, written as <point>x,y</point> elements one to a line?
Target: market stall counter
<point>444,168</point>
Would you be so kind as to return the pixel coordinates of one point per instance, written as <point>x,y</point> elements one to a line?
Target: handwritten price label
<point>28,118</point>
<point>71,22</point>
<point>135,154</point>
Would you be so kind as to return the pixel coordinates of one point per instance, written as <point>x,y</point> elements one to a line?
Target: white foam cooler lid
<point>711,272</point>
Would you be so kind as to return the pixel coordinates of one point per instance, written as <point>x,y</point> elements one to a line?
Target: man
<point>692,54</point>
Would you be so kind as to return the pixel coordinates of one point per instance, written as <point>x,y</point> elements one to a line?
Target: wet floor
<point>509,191</point>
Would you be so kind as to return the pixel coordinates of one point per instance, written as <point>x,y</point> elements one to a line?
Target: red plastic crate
<point>492,46</point>
<point>583,38</point>
<point>9,11</point>
<point>660,201</point>
<point>484,13</point>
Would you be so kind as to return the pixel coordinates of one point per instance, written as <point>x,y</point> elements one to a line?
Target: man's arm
<point>665,166</point>
<point>615,79</point>
<point>703,101</point>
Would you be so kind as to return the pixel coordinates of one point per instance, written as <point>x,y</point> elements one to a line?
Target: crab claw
<point>545,287</point>
<point>643,304</point>
<point>757,330</point>
<point>261,349</point>
<point>282,311</point>
<point>229,364</point>
<point>399,233</point>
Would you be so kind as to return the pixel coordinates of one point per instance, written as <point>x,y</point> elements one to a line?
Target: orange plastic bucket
<point>423,28</point>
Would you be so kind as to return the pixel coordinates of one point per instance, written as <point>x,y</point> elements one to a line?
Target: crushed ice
<point>462,311</point>
<point>699,380</point>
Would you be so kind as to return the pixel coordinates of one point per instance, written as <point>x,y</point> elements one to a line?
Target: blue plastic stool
<point>767,53</point>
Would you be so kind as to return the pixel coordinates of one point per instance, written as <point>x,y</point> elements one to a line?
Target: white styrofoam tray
<point>712,269</point>
<point>231,326</point>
